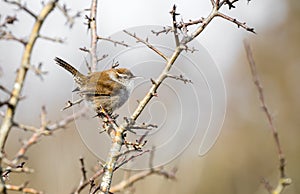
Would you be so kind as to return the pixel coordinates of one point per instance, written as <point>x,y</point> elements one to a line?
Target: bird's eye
<point>120,75</point>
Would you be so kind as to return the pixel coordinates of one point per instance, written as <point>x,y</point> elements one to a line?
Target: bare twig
<point>23,189</point>
<point>38,70</point>
<point>141,175</point>
<point>125,161</point>
<point>102,57</point>
<point>83,171</point>
<point>56,39</point>
<point>70,104</point>
<point>238,23</point>
<point>22,7</point>
<point>70,19</point>
<point>148,45</point>
<point>181,78</point>
<point>115,42</point>
<point>9,36</point>
<point>284,180</point>
<point>165,30</point>
<point>5,90</point>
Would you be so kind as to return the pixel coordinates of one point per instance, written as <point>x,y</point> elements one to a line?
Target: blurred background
<point>244,152</point>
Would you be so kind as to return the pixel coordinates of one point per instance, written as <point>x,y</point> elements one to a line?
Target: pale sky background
<point>222,39</point>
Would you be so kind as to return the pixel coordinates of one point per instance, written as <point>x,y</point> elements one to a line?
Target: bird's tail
<point>78,77</point>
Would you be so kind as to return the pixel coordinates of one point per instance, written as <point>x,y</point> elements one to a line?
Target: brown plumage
<point>107,89</point>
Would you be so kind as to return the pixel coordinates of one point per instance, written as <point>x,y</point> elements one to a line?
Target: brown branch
<point>115,42</point>
<point>56,39</point>
<point>21,74</point>
<point>70,104</point>
<point>46,128</point>
<point>189,23</point>
<point>150,46</point>
<point>139,176</point>
<point>37,70</point>
<point>9,36</point>
<point>165,30</point>
<point>83,171</point>
<point>70,19</point>
<point>83,184</point>
<point>93,26</point>
<point>22,7</point>
<point>126,160</point>
<point>174,22</point>
<point>5,90</point>
<point>238,23</point>
<point>283,181</point>
<point>118,140</point>
<point>143,174</point>
<point>181,78</point>
<point>23,189</point>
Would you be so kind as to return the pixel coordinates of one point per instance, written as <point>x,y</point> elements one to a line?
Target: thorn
<point>153,81</point>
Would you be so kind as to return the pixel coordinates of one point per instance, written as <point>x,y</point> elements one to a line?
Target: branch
<point>22,71</point>
<point>56,39</point>
<point>70,104</point>
<point>150,46</point>
<point>65,11</point>
<point>9,36</point>
<point>238,23</point>
<point>93,26</point>
<point>23,7</point>
<point>139,176</point>
<point>174,28</point>
<point>283,181</point>
<point>118,140</point>
<point>46,128</point>
<point>115,42</point>
<point>22,188</point>
<point>181,78</point>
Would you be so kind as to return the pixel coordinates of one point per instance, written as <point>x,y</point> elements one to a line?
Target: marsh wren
<point>108,89</point>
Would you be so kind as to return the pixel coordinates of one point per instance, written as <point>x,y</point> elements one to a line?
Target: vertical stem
<point>118,139</point>
<point>93,25</point>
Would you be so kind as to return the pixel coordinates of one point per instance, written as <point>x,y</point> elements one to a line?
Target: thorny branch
<point>22,7</point>
<point>45,129</point>
<point>150,46</point>
<point>284,180</point>
<point>118,140</point>
<point>21,74</point>
<point>13,101</point>
<point>115,42</point>
<point>94,36</point>
<point>141,175</point>
<point>70,19</point>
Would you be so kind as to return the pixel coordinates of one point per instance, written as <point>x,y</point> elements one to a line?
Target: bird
<point>108,89</point>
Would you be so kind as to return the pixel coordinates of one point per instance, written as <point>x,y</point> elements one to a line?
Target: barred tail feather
<point>77,75</point>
